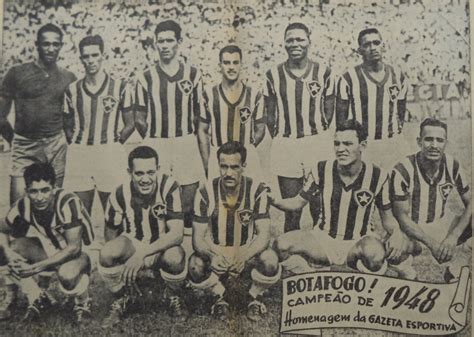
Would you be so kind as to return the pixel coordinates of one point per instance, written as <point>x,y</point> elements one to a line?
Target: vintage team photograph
<point>235,168</point>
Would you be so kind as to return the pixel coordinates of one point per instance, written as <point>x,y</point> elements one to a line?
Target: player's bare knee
<point>69,274</point>
<point>282,247</point>
<point>110,254</point>
<point>372,252</point>
<point>173,260</point>
<point>268,262</point>
<point>198,268</point>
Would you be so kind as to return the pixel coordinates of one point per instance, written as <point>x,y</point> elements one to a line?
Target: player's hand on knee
<point>133,265</point>
<point>396,245</point>
<point>446,249</point>
<point>238,265</point>
<point>13,257</point>
<point>219,263</point>
<point>22,269</point>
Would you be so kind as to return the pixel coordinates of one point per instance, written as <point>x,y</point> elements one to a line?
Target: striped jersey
<point>347,210</point>
<point>378,106</point>
<point>300,100</point>
<point>427,197</point>
<point>144,217</point>
<point>68,212</point>
<point>168,105</point>
<point>97,117</point>
<point>232,226</point>
<point>232,121</point>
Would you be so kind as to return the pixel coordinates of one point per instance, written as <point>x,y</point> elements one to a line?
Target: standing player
<point>47,228</point>
<point>167,103</point>
<point>299,101</point>
<point>374,93</point>
<point>37,89</point>
<point>96,108</point>
<point>233,112</point>
<point>349,189</point>
<point>232,231</point>
<point>420,186</point>
<point>144,229</point>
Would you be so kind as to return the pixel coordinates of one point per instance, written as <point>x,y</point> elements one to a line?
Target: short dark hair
<point>94,40</point>
<point>352,124</point>
<point>141,152</point>
<point>298,25</point>
<point>38,172</point>
<point>231,48</point>
<point>429,121</point>
<point>169,25</point>
<point>365,32</point>
<point>232,148</point>
<point>49,27</point>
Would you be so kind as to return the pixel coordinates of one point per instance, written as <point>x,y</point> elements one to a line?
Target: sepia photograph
<point>235,168</point>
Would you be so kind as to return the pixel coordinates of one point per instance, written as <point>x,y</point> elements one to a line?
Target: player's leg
<point>403,265</point>
<point>368,256</point>
<point>35,288</point>
<point>172,266</point>
<point>188,193</point>
<point>266,272</point>
<point>73,279</point>
<point>289,188</point>
<point>17,189</point>
<point>56,151</point>
<point>112,257</point>
<point>205,281</point>
<point>296,248</point>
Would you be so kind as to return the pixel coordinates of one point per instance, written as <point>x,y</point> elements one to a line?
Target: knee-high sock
<point>261,282</point>
<point>174,282</point>
<point>80,292</point>
<point>112,277</point>
<point>212,284</point>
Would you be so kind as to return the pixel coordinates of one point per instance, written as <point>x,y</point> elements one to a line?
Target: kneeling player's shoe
<point>82,311</point>
<point>256,310</point>
<point>176,306</point>
<point>220,310</point>
<point>117,310</point>
<point>35,309</point>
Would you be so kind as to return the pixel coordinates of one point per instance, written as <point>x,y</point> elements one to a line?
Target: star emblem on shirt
<point>363,197</point>
<point>109,103</point>
<point>445,189</point>
<point>245,217</point>
<point>158,210</point>
<point>313,87</point>
<point>394,91</point>
<point>186,86</point>
<point>244,114</point>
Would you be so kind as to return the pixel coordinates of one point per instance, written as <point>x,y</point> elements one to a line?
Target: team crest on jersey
<point>186,86</point>
<point>158,210</point>
<point>363,197</point>
<point>445,189</point>
<point>109,103</point>
<point>245,217</point>
<point>245,114</point>
<point>394,91</point>
<point>313,87</point>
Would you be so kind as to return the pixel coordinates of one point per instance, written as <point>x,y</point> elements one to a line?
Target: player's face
<point>296,44</point>
<point>230,66</point>
<point>432,142</point>
<point>144,174</point>
<point>371,47</point>
<point>41,194</point>
<point>347,147</point>
<point>231,169</point>
<point>92,58</point>
<point>167,45</point>
<point>49,45</point>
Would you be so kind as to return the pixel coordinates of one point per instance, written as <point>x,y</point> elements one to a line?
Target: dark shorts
<point>26,151</point>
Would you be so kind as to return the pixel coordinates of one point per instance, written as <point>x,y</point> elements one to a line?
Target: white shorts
<point>290,156</point>
<point>385,153</point>
<point>253,167</point>
<point>101,166</point>
<point>179,156</point>
<point>150,260</point>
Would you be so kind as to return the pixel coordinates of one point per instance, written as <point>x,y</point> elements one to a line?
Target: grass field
<point>151,321</point>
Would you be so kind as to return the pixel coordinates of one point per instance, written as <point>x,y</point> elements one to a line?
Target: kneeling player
<point>144,229</point>
<point>420,186</point>
<point>44,232</point>
<point>349,189</point>
<point>231,231</point>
